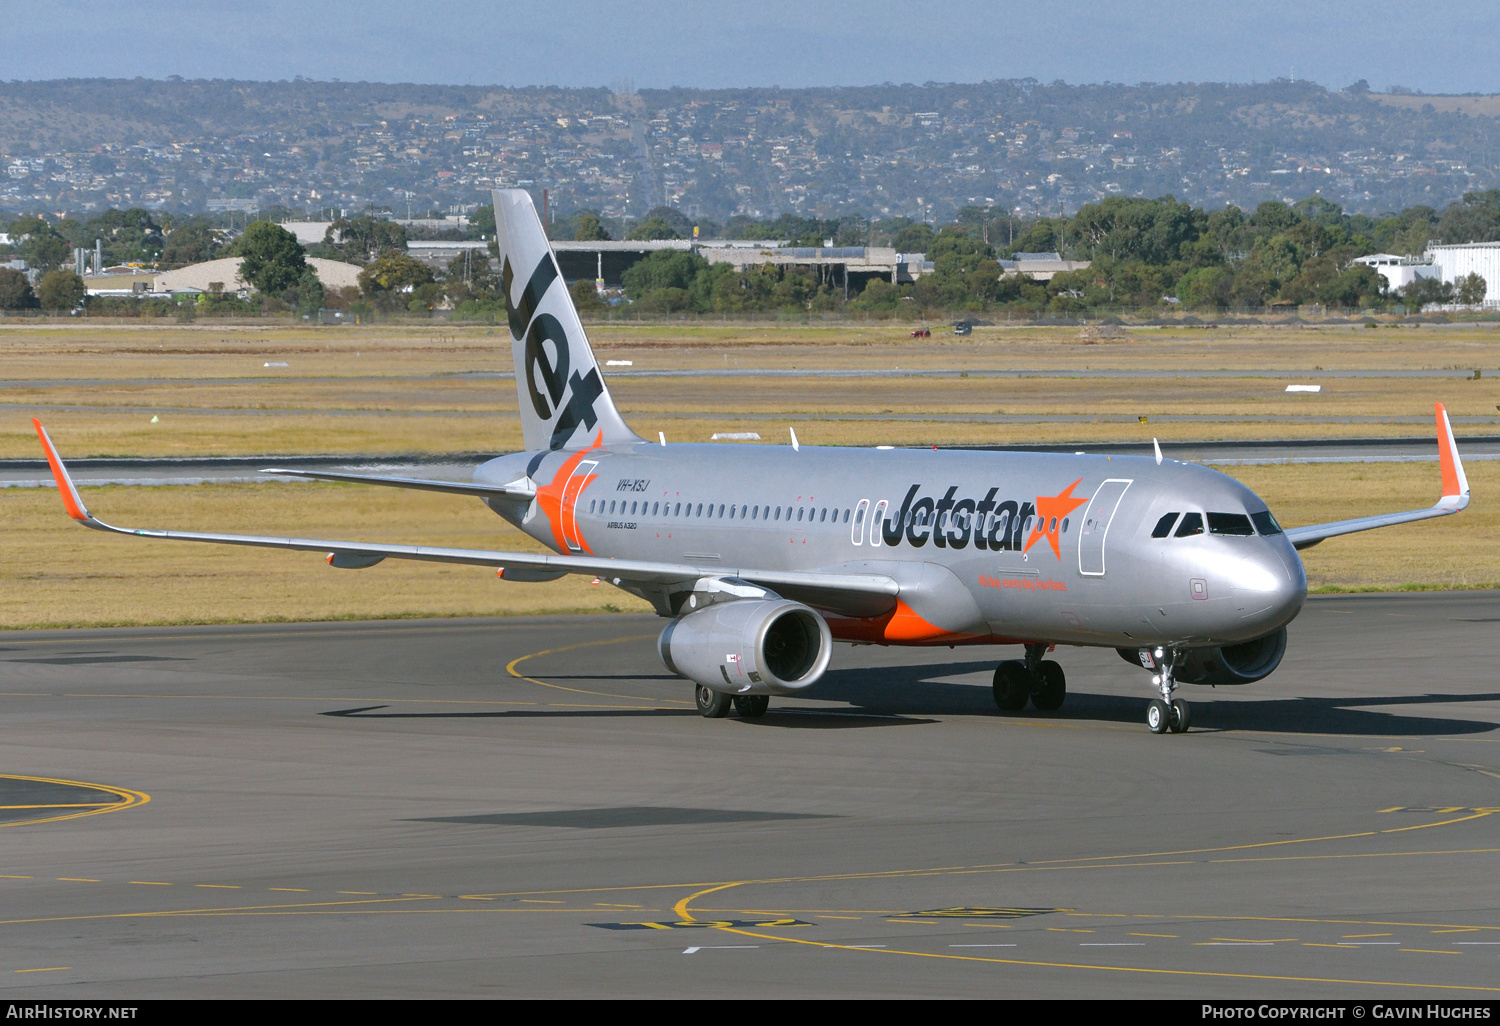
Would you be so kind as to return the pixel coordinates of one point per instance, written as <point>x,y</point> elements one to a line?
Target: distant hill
<point>918,150</point>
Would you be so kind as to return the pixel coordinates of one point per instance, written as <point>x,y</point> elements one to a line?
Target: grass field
<point>56,573</point>
<point>416,390</point>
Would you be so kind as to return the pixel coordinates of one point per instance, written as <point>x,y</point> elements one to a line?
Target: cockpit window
<point>1164,525</point>
<point>1192,523</point>
<point>1237,524</point>
<point>1265,523</point>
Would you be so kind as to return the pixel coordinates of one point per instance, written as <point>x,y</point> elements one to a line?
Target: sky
<point>1435,46</point>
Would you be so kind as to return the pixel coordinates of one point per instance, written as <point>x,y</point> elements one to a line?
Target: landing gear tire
<point>712,704</point>
<point>1012,685</point>
<point>751,707</point>
<point>1158,716</point>
<point>1052,687</point>
<point>1181,716</point>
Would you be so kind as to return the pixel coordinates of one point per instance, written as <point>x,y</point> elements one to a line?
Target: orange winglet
<point>1454,482</point>
<point>71,500</point>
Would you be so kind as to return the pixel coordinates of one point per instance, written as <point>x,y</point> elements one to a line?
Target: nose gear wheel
<point>1165,713</point>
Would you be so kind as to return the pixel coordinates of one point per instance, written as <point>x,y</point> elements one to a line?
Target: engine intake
<point>1245,663</point>
<point>748,647</point>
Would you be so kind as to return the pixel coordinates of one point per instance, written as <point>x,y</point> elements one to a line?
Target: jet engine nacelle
<point>748,646</point>
<point>1244,663</point>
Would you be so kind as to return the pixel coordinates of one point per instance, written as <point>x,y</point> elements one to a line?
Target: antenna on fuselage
<point>795,446</point>
<point>663,436</point>
<point>1157,446</point>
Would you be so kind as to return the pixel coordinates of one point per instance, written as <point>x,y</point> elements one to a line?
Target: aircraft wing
<point>515,490</point>
<point>1454,498</point>
<point>517,565</point>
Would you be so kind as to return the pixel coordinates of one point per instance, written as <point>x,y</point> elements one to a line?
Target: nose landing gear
<point>1165,713</point>
<point>1042,681</point>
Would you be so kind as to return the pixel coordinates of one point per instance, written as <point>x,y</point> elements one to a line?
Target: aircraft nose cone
<point>1268,590</point>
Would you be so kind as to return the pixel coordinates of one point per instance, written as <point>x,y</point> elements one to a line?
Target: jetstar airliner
<point>760,557</point>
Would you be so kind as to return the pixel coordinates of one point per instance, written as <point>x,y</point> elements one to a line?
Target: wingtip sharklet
<point>1455,481</point>
<point>72,501</point>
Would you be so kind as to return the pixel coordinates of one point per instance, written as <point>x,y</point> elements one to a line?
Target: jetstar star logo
<point>985,523</point>
<point>550,367</point>
<point>559,499</point>
<point>1050,511</point>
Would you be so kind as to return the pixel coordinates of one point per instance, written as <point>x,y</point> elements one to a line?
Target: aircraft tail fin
<point>564,401</point>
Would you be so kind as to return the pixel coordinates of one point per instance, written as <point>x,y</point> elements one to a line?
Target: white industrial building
<point>212,275</point>
<point>1450,263</point>
<point>1460,261</point>
<point>1399,271</point>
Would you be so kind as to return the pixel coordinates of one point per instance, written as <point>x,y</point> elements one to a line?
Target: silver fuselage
<point>949,526</point>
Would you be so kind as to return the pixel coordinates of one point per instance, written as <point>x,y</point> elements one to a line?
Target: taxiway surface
<point>532,807</point>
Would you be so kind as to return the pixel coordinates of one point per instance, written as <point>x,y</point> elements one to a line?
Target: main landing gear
<point>1036,679</point>
<point>1165,713</point>
<point>715,704</point>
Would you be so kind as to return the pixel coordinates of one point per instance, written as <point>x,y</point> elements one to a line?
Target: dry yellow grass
<point>413,389</point>
<point>56,573</point>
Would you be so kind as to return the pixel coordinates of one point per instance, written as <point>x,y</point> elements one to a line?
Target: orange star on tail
<point>554,503</point>
<point>1050,511</point>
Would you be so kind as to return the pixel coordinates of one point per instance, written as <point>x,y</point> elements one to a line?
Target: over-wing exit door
<point>1096,520</point>
<point>582,475</point>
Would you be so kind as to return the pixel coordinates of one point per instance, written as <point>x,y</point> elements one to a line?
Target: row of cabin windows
<point>813,514</point>
<point>1235,524</point>
<point>920,518</point>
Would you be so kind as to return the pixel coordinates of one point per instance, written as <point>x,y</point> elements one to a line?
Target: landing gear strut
<point>1040,680</point>
<point>1166,713</point>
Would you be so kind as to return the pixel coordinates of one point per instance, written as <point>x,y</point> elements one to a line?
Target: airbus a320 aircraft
<point>761,557</point>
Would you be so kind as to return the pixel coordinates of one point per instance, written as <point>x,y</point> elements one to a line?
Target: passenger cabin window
<point>1237,524</point>
<point>1164,525</point>
<point>1265,523</point>
<point>1192,523</point>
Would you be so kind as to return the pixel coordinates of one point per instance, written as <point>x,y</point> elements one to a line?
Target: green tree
<point>1271,217</point>
<point>39,244</point>
<point>1152,231</point>
<point>189,244</point>
<point>1475,218</point>
<point>305,295</point>
<point>652,229</point>
<point>362,239</point>
<point>15,290</point>
<point>586,297</point>
<point>589,229</point>
<point>1205,288</point>
<point>272,258</point>
<point>1426,292</point>
<point>1472,289</point>
<point>60,290</point>
<point>668,268</point>
<point>1358,287</point>
<point>914,238</point>
<point>392,274</point>
<point>482,223</point>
